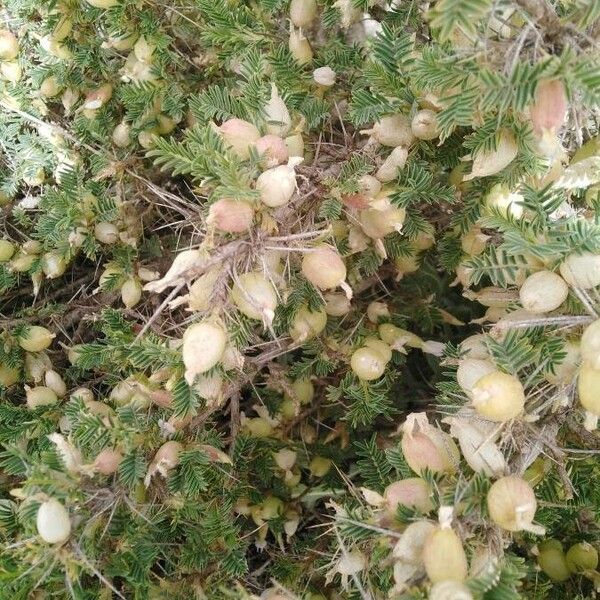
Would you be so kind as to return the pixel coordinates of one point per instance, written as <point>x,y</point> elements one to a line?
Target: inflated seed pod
<point>590,344</point>
<point>581,270</point>
<point>299,47</point>
<point>255,296</point>
<point>368,363</point>
<point>231,216</point>
<point>307,324</point>
<point>379,346</point>
<point>490,162</point>
<point>393,164</point>
<point>427,447</point>
<point>8,376</point>
<point>471,370</point>
<point>107,233</point>
<point>319,466</point>
<point>425,125</point>
<point>131,292</point>
<point>549,109</point>
<point>324,267</point>
<point>303,12</point>
<point>543,292</point>
<point>498,396</point>
<point>588,384</point>
<point>7,249</point>
<point>107,462</point>
<point>336,304</point>
<point>449,590</point>
<point>35,339</point>
<point>582,557</point>
<point>278,184</point>
<point>276,113</point>
<point>203,347</point>
<point>552,560</point>
<point>444,556</point>
<point>273,149</point>
<point>53,265</point>
<point>121,135</point>
<point>239,135</point>
<point>55,382</point>
<point>40,396</point>
<point>53,522</point>
<point>512,504</point>
<point>9,45</point>
<point>413,492</point>
<point>392,130</point>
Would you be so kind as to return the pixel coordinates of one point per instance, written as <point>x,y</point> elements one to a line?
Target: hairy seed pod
<point>474,242</point>
<point>413,492</point>
<point>376,310</point>
<point>324,76</point>
<point>299,48</point>
<point>444,556</point>
<point>255,296</point>
<point>474,346</point>
<point>35,339</point>
<point>121,135</point>
<point>581,270</point>
<point>552,560</point>
<point>53,523</point>
<point>424,125</point>
<point>107,233</point>
<point>11,71</point>
<point>498,396</point>
<point>203,347</point>
<point>231,216</point>
<point>97,98</point>
<point>392,130</point>
<point>324,267</point>
<point>143,50</point>
<point>49,87</point>
<point>202,290</point>
<point>543,292</point>
<point>511,504</point>
<point>369,186</point>
<point>566,371</point>
<point>303,12</point>
<point>379,222</point>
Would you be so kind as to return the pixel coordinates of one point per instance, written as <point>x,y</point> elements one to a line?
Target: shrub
<point>300,300</point>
